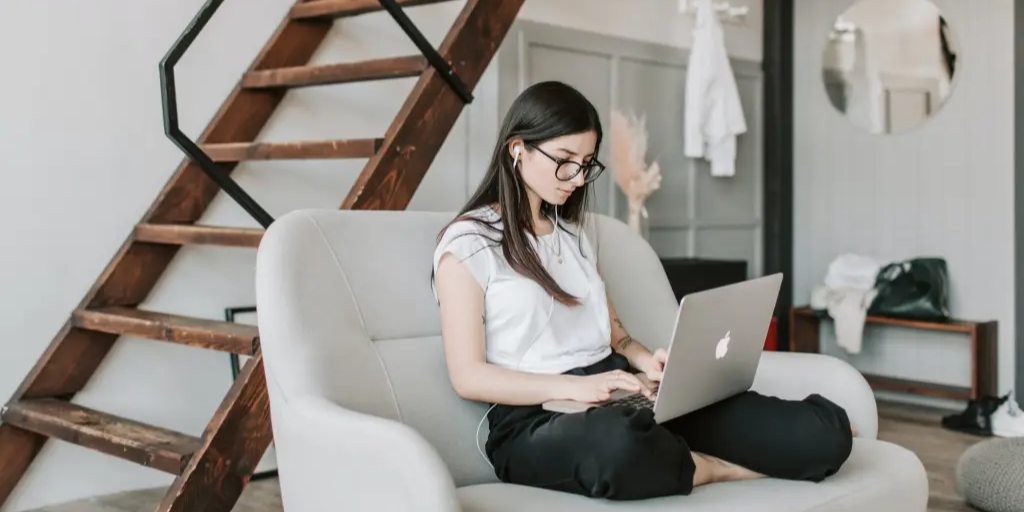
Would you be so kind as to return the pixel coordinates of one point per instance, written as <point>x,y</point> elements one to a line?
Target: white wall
<point>84,155</point>
<point>943,189</point>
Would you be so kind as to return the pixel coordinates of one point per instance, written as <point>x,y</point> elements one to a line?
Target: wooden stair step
<point>306,150</point>
<point>191,234</point>
<point>328,74</point>
<point>197,332</point>
<point>137,442</point>
<point>332,9</point>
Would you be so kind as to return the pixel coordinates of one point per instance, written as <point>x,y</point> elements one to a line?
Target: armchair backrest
<point>346,312</point>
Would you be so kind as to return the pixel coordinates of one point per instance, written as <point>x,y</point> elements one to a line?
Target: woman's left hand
<point>654,366</point>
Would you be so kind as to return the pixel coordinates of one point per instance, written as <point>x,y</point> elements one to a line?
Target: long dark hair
<point>544,111</point>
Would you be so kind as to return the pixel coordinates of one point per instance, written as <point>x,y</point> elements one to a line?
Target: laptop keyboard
<point>635,401</point>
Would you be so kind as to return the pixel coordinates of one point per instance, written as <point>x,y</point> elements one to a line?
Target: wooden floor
<point>918,430</point>
<point>914,428</point>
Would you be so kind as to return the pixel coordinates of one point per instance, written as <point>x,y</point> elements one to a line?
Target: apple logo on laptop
<point>723,346</point>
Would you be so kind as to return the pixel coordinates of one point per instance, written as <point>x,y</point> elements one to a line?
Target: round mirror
<point>889,64</point>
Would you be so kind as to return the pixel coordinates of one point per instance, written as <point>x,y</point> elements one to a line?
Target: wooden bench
<point>805,336</point>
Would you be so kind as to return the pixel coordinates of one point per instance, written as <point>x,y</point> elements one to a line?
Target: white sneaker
<point>1008,419</point>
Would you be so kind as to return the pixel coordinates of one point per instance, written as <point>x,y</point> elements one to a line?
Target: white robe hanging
<point>714,114</point>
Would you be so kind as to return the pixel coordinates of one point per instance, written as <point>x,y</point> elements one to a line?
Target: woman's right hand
<point>599,387</point>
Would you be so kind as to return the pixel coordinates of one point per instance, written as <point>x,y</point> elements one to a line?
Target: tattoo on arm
<point>625,342</point>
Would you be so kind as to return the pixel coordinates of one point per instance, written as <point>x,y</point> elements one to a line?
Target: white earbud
<point>515,151</point>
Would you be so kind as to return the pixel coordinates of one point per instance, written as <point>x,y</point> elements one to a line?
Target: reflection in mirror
<point>889,64</point>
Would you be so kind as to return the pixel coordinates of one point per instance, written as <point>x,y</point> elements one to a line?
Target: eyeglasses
<point>568,169</point>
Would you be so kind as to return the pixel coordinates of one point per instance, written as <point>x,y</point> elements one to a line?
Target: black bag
<point>916,289</point>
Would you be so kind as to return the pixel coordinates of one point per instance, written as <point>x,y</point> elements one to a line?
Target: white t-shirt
<point>526,329</point>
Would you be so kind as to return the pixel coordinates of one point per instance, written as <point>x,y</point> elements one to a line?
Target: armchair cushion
<point>877,476</point>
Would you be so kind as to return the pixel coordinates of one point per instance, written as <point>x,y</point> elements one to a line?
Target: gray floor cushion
<point>990,475</point>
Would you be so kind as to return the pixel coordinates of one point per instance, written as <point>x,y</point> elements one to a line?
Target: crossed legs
<point>620,453</point>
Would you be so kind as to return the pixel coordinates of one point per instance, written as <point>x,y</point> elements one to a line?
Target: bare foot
<point>712,469</point>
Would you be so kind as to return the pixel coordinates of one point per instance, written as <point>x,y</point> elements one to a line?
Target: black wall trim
<point>778,154</point>
<point>1018,190</point>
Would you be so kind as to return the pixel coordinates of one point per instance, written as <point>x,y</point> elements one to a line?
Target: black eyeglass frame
<point>590,178</point>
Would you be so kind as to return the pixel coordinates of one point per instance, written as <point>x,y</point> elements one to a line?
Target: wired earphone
<point>522,353</point>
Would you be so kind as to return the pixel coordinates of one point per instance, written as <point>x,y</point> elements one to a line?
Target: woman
<point>525,319</point>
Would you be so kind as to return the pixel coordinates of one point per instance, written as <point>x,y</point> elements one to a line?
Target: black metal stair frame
<point>214,171</point>
<point>188,146</point>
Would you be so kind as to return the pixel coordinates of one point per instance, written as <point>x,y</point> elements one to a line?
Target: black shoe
<point>976,418</point>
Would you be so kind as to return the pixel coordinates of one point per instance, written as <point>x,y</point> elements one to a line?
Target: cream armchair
<point>364,417</point>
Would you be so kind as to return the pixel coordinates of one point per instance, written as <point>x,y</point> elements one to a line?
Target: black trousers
<point>619,453</point>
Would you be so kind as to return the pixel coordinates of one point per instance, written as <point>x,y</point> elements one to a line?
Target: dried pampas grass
<point>628,150</point>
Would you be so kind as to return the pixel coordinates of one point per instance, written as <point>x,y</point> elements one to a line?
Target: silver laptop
<point>714,351</point>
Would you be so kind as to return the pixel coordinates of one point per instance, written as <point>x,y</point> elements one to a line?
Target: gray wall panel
<point>692,214</point>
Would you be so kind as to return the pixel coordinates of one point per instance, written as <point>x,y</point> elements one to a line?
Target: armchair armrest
<point>795,375</point>
<point>331,458</point>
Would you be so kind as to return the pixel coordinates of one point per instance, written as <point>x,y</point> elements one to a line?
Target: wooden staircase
<point>213,469</point>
